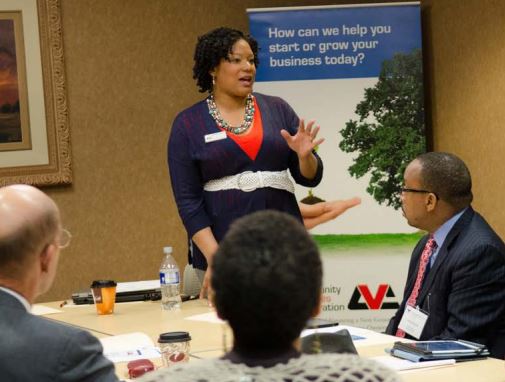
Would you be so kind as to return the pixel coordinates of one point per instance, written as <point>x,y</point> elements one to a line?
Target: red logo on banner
<point>373,302</point>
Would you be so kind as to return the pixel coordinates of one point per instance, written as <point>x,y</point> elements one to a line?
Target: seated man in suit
<point>33,348</point>
<point>457,271</point>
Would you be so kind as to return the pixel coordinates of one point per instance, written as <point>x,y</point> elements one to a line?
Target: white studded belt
<point>248,181</point>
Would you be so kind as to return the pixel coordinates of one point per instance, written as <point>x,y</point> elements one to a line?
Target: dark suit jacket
<point>464,292</point>
<point>33,348</point>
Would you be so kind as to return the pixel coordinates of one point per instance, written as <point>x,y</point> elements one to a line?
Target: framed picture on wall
<point>34,129</point>
<point>14,121</point>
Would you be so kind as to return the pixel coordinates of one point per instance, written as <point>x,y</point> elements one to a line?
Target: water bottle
<point>170,281</point>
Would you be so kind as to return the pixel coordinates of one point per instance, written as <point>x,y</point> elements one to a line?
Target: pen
<point>63,304</point>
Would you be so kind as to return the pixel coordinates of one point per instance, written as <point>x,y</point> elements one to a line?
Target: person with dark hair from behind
<point>457,271</point>
<point>266,282</point>
<point>33,348</point>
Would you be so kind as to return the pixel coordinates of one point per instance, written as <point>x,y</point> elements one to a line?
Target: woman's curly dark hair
<point>214,46</point>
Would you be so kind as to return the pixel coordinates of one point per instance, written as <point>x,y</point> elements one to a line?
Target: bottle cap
<point>171,337</point>
<point>103,283</point>
<point>167,250</point>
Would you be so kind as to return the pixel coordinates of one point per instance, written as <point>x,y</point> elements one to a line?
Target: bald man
<point>33,348</point>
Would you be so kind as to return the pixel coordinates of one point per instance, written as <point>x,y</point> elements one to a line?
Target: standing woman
<point>229,154</point>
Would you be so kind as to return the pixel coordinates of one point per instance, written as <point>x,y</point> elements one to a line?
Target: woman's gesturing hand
<point>304,141</point>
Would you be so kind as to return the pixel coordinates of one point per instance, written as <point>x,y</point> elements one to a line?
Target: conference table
<point>210,337</point>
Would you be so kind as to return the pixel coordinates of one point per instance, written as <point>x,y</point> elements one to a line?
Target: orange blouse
<point>250,141</point>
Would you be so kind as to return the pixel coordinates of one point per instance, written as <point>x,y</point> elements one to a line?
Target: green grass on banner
<point>367,241</point>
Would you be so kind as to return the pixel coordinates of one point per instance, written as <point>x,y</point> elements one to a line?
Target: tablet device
<point>441,347</point>
<point>447,346</point>
<point>460,350</point>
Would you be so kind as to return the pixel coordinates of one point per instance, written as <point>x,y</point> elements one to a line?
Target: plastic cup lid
<point>103,283</point>
<point>173,337</point>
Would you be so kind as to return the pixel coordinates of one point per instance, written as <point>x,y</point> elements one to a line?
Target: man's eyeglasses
<point>64,238</point>
<point>404,189</point>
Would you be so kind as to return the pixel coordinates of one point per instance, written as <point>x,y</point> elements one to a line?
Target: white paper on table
<point>41,310</point>
<point>399,364</point>
<point>207,317</point>
<point>129,347</point>
<point>134,286</point>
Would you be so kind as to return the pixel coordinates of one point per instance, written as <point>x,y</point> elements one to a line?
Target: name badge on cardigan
<point>413,321</point>
<point>215,137</point>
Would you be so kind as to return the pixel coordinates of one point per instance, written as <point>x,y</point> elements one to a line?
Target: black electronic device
<point>315,323</point>
<point>85,297</point>
<point>459,350</point>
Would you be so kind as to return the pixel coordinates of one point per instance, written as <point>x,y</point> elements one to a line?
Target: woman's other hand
<point>315,214</point>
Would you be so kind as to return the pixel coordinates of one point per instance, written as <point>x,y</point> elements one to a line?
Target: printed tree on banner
<point>390,131</point>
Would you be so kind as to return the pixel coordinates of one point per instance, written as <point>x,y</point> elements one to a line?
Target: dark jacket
<point>33,348</point>
<point>464,292</point>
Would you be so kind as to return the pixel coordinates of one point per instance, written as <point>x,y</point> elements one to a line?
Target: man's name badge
<point>413,321</point>
<point>215,137</point>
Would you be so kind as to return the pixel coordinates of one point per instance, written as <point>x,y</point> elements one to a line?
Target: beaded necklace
<point>246,123</point>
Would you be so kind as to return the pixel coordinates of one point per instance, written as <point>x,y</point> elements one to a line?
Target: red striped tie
<point>428,250</point>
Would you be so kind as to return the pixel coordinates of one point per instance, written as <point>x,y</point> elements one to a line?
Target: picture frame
<point>14,118</point>
<point>47,160</point>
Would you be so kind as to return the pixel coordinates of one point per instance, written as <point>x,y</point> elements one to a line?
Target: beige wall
<point>128,66</point>
<point>465,65</point>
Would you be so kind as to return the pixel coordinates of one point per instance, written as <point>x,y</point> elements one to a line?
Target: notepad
<point>42,310</point>
<point>129,347</point>
<point>403,364</point>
